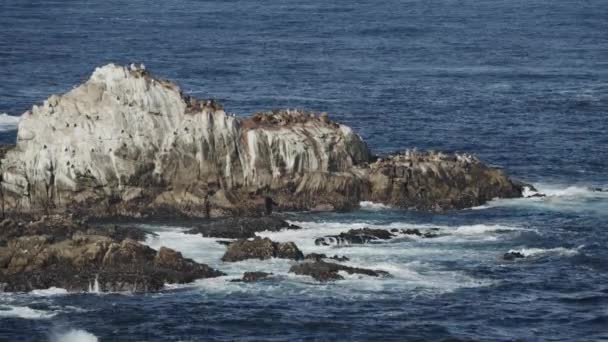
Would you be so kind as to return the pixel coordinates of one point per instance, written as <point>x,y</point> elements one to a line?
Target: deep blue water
<point>523,84</point>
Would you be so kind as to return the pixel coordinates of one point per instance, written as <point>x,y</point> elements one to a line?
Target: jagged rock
<point>325,271</point>
<point>126,143</point>
<point>251,277</point>
<point>512,255</point>
<point>354,236</point>
<point>241,227</point>
<point>262,249</point>
<point>75,263</point>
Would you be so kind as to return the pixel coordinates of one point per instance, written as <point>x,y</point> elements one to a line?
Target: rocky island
<point>127,144</point>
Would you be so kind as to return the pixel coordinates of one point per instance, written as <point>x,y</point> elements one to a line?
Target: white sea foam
<point>535,252</point>
<point>74,335</point>
<point>480,229</point>
<point>367,205</point>
<point>399,258</point>
<point>24,312</point>
<point>572,198</point>
<point>8,122</point>
<point>52,291</point>
<point>94,286</point>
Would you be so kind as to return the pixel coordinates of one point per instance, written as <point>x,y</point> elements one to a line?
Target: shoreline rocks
<point>52,253</point>
<point>125,143</point>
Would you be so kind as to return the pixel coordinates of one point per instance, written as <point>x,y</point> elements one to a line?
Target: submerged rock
<point>127,143</point>
<point>325,271</point>
<point>262,249</point>
<point>83,261</point>
<point>241,227</point>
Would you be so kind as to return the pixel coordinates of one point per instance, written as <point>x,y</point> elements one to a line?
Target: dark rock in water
<point>85,262</point>
<point>319,257</point>
<point>261,249</point>
<point>339,258</point>
<point>250,277</point>
<point>241,227</point>
<point>325,271</point>
<point>511,255</point>
<point>315,256</point>
<point>365,235</point>
<point>354,236</point>
<point>537,195</point>
<point>224,242</point>
<point>419,233</point>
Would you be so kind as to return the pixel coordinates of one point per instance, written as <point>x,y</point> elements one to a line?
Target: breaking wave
<point>74,335</point>
<point>24,312</point>
<point>535,252</point>
<point>8,122</point>
<point>571,198</point>
<point>368,205</point>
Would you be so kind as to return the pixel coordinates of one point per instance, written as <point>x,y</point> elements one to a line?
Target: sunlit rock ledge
<point>127,143</point>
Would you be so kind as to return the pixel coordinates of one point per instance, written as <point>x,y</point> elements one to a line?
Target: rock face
<point>325,271</point>
<point>261,249</point>
<point>241,227</point>
<point>126,143</point>
<point>85,262</point>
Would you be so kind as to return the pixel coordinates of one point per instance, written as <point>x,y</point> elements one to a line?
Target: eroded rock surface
<point>262,249</point>
<point>127,143</point>
<point>40,258</point>
<point>326,271</point>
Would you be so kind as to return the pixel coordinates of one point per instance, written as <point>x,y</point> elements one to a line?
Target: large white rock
<point>124,135</point>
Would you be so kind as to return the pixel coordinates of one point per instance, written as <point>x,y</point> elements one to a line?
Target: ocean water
<point>523,84</point>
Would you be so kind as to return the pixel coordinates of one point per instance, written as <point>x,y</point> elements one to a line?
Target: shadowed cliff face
<point>127,143</point>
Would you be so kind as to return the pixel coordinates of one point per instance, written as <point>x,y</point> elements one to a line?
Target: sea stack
<point>127,143</point>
